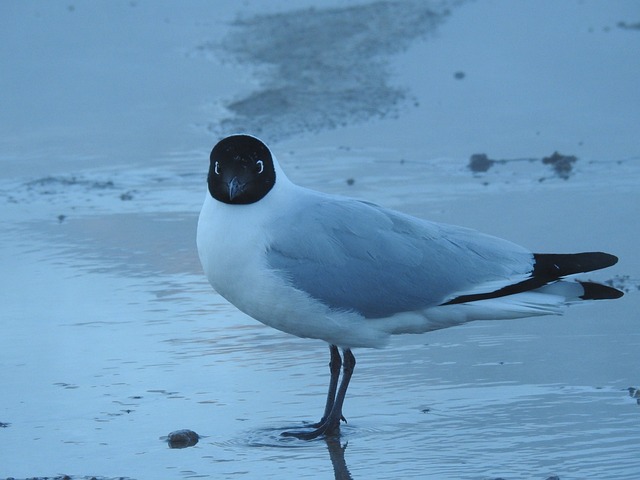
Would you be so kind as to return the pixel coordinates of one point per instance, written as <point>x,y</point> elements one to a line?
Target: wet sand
<point>113,340</point>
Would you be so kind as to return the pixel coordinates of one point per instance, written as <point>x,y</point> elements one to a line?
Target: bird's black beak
<point>235,188</point>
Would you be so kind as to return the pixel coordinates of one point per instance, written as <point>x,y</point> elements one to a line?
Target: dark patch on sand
<point>322,68</point>
<point>480,163</point>
<point>634,393</point>
<point>51,185</point>
<point>69,477</point>
<point>561,164</point>
<point>629,26</point>
<point>624,283</point>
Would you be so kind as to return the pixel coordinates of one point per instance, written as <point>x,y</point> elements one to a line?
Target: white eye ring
<point>216,168</point>
<point>261,165</point>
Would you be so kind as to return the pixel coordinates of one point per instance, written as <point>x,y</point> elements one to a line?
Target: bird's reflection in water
<point>336,453</point>
<point>272,437</point>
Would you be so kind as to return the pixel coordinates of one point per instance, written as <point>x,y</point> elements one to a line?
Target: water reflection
<point>335,444</point>
<point>336,454</point>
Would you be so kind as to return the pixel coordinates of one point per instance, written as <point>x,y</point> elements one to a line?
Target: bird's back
<point>354,255</point>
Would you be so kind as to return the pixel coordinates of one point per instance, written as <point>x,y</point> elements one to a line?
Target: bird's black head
<point>241,170</point>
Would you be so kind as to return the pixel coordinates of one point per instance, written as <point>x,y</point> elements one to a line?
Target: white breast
<point>232,241</point>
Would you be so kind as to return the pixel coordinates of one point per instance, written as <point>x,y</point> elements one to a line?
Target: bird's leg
<point>331,425</point>
<point>334,367</point>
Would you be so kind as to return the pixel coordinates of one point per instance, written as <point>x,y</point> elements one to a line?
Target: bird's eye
<point>216,168</point>
<point>260,165</point>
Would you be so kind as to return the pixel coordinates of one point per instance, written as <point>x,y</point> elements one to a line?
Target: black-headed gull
<point>352,273</point>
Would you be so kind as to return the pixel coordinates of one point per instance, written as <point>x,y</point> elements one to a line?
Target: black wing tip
<point>550,267</point>
<point>598,291</point>
<point>556,265</point>
<point>605,259</point>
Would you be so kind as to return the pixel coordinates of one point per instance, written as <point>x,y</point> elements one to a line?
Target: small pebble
<point>182,438</point>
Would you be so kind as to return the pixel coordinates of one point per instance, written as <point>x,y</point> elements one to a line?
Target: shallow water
<point>111,337</point>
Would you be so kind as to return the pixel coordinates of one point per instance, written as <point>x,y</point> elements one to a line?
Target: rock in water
<point>182,438</point>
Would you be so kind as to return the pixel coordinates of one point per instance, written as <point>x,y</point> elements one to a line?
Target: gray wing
<point>357,256</point>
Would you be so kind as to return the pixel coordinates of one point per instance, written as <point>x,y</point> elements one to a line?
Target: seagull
<point>353,273</point>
